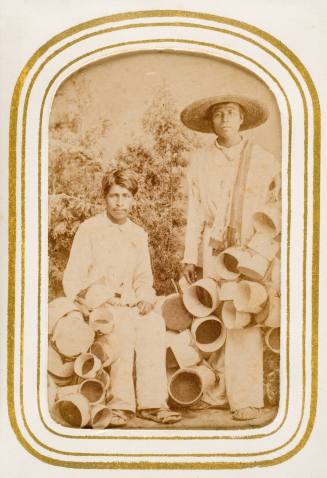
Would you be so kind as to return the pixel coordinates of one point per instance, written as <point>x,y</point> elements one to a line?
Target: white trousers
<point>142,338</point>
<point>242,356</point>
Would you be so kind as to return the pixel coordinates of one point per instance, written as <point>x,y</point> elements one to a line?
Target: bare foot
<point>164,416</point>
<point>119,418</point>
<point>248,413</point>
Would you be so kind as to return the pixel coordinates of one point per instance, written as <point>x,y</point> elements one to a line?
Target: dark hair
<point>125,178</point>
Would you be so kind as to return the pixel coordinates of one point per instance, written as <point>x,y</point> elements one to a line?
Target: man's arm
<point>75,276</point>
<point>194,227</point>
<point>143,279</point>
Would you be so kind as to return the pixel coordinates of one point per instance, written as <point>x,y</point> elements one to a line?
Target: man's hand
<point>115,301</point>
<point>144,307</point>
<point>82,306</point>
<point>189,272</point>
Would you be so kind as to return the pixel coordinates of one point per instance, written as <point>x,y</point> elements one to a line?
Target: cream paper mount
<point>226,41</point>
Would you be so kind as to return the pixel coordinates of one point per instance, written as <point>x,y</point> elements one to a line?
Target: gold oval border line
<point>289,209</point>
<point>288,243</point>
<point>83,56</point>
<point>12,231</point>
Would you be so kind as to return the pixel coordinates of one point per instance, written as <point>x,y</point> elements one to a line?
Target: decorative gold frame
<point>12,225</point>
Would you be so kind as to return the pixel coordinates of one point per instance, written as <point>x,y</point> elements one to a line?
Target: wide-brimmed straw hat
<point>197,115</point>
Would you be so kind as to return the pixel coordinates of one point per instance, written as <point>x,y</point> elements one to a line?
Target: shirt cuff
<point>147,295</point>
<point>191,257</point>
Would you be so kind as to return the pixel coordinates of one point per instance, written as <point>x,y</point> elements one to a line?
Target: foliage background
<point>126,112</point>
<point>76,169</point>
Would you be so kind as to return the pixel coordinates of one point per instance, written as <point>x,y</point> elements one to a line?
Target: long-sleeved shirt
<point>211,177</point>
<point>118,253</point>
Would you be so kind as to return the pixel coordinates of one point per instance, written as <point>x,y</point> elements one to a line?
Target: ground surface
<point>209,418</point>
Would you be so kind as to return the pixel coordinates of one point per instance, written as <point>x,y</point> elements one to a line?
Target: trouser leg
<point>121,340</point>
<point>150,348</point>
<point>216,396</point>
<point>217,359</point>
<point>244,368</point>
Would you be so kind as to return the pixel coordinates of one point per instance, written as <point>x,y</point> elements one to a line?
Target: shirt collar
<point>233,152</point>
<point>121,227</point>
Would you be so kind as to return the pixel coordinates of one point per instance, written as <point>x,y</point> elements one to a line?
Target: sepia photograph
<point>163,259</point>
<point>164,245</point>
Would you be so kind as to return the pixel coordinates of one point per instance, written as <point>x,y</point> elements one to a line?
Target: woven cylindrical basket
<point>267,221</point>
<point>100,416</point>
<point>58,308</point>
<point>250,297</point>
<point>209,333</point>
<point>272,339</point>
<point>185,387</point>
<point>72,411</point>
<point>264,244</point>
<point>93,390</point>
<point>72,336</point>
<point>232,318</point>
<point>102,319</point>
<point>57,366</point>
<point>202,297</point>
<point>183,348</point>
<point>176,316</point>
<point>87,365</point>
<point>101,349</point>
<point>227,263</point>
<point>253,265</point>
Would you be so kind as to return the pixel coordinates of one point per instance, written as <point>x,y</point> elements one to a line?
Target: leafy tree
<point>75,170</point>
<point>157,156</point>
<point>160,208</point>
<point>65,215</point>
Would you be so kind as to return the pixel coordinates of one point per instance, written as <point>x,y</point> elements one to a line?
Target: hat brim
<point>197,115</point>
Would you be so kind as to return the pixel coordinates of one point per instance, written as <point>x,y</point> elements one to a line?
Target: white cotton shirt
<point>211,177</point>
<point>117,253</point>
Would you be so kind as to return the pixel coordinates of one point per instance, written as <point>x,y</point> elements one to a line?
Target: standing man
<point>227,183</point>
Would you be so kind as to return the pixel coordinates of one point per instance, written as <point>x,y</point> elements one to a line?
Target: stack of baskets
<point>79,360</point>
<point>247,294</point>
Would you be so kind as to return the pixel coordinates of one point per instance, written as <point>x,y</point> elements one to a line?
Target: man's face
<point>119,202</point>
<point>226,119</point>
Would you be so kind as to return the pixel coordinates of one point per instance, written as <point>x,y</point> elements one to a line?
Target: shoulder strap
<point>236,211</point>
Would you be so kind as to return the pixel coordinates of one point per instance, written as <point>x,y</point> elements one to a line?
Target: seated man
<point>111,246</point>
